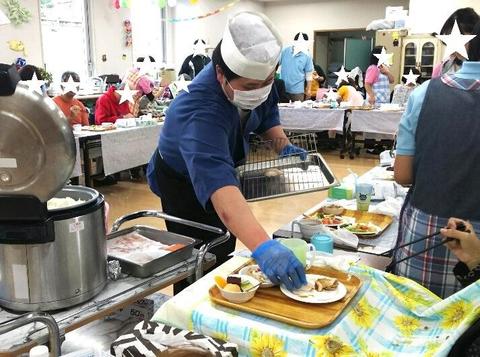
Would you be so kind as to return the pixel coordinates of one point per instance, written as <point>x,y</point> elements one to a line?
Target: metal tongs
<point>460,226</point>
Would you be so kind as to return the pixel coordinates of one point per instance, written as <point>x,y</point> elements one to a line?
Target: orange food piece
<point>221,282</point>
<point>174,247</point>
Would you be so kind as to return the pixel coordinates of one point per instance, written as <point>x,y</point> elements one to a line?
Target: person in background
<point>26,74</point>
<point>438,152</point>
<point>402,91</point>
<point>73,109</point>
<point>296,68</point>
<point>378,80</point>
<point>194,63</point>
<point>348,93</point>
<point>466,19</point>
<point>282,92</point>
<point>141,83</point>
<point>108,108</point>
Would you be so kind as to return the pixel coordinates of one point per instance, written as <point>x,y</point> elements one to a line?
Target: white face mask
<point>250,99</point>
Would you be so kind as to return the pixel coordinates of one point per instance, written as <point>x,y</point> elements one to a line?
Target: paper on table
<point>340,262</point>
<point>391,207</point>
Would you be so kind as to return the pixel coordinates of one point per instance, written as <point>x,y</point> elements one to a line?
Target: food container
<point>167,238</point>
<point>159,264</point>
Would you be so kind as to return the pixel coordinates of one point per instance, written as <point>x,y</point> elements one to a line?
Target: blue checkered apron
<point>381,88</point>
<point>434,268</point>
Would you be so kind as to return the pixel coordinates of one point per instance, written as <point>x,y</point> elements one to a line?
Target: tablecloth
<point>123,149</point>
<point>77,169</point>
<point>375,121</point>
<point>389,316</point>
<point>308,119</point>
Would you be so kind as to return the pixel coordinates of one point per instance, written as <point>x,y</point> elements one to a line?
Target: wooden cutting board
<point>272,303</point>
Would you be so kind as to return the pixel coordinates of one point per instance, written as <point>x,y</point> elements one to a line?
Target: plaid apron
<point>381,89</point>
<point>434,268</point>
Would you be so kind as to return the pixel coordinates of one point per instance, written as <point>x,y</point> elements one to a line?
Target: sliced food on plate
<point>320,289</point>
<point>364,228</point>
<point>331,219</point>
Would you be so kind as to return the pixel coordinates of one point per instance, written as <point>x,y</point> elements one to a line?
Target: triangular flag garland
<point>162,3</point>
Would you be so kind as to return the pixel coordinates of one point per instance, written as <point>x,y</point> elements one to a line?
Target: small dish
<point>255,272</point>
<point>243,296</point>
<point>333,209</point>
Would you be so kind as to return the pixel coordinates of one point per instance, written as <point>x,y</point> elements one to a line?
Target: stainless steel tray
<point>294,176</point>
<point>159,264</point>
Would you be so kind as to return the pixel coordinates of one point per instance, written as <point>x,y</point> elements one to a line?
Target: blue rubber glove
<point>290,150</point>
<point>280,264</point>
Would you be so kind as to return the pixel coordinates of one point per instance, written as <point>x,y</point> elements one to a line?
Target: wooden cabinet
<point>422,52</point>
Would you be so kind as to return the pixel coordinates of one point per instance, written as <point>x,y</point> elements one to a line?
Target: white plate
<point>246,271</point>
<point>318,297</point>
<point>377,230</point>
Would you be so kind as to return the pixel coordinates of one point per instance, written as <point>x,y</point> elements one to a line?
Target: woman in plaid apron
<point>377,80</point>
<point>438,152</point>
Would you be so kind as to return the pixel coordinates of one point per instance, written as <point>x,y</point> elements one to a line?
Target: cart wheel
<point>351,156</point>
<point>342,156</point>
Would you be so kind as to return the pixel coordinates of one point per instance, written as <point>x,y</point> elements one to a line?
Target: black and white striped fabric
<point>149,339</point>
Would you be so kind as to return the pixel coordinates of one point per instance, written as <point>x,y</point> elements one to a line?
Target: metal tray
<point>297,176</point>
<point>159,264</point>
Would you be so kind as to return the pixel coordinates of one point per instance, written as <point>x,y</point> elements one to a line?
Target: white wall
<point>428,16</point>
<point>108,38</point>
<point>292,17</point>
<point>182,34</point>
<point>29,34</point>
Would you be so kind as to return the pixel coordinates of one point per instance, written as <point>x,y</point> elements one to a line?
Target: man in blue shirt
<point>205,137</point>
<point>297,67</point>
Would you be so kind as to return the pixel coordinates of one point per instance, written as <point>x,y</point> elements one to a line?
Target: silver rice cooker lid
<point>37,146</point>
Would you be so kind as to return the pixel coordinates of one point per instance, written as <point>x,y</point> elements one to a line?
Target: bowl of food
<point>333,209</point>
<point>255,272</point>
<point>237,288</point>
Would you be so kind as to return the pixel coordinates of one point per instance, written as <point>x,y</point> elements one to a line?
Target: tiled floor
<point>127,196</point>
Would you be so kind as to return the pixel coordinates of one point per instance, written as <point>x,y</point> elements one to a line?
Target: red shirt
<point>65,107</point>
<point>107,108</point>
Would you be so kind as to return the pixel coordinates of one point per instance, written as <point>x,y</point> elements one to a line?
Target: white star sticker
<point>146,66</point>
<point>384,58</point>
<point>456,42</point>
<point>331,95</point>
<point>70,86</point>
<point>342,76</point>
<point>199,48</point>
<point>35,84</point>
<point>411,78</point>
<point>182,84</point>
<point>127,94</point>
<point>300,45</point>
<point>3,19</point>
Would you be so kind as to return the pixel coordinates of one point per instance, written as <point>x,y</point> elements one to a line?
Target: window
<point>65,40</point>
<point>148,30</point>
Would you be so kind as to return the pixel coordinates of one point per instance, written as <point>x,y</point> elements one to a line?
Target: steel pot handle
<point>224,236</point>
<point>159,214</point>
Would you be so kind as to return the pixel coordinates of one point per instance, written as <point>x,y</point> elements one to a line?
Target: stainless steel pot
<point>62,273</point>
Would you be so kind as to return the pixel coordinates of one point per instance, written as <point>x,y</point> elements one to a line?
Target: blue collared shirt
<point>409,121</point>
<point>202,137</point>
<point>294,70</point>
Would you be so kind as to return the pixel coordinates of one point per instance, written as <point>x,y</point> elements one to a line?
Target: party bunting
<point>162,3</point>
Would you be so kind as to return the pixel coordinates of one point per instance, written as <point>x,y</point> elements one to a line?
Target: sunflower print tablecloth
<point>389,316</point>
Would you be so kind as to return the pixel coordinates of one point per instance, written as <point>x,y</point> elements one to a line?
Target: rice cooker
<point>53,258</point>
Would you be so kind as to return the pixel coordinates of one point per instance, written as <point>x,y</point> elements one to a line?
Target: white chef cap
<point>251,45</point>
